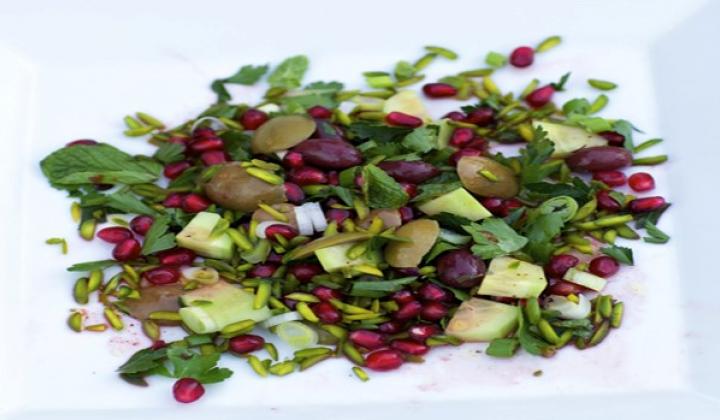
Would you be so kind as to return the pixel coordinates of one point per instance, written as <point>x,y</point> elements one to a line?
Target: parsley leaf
<point>626,129</point>
<point>316,93</point>
<point>378,132</point>
<point>170,152</point>
<point>621,254</point>
<point>651,216</point>
<point>534,156</point>
<point>247,75</point>
<point>430,191</point>
<point>144,361</point>
<point>503,347</point>
<point>381,190</point>
<point>188,364</point>
<point>158,238</point>
<point>540,232</point>
<point>128,203</point>
<point>578,190</point>
<point>560,85</point>
<point>421,139</point>
<point>71,167</point>
<point>657,236</point>
<point>494,238</point>
<point>289,73</point>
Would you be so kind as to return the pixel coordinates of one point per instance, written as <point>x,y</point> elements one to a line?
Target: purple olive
<point>414,172</point>
<point>601,158</point>
<point>329,153</point>
<point>460,268</point>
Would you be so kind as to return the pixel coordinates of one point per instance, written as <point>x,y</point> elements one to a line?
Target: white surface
<point>72,70</point>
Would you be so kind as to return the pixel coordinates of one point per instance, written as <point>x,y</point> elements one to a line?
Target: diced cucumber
<point>211,308</point>
<point>510,277</point>
<point>407,102</point>
<point>483,320</point>
<point>334,258</point>
<point>197,237</point>
<point>458,202</point>
<point>444,133</point>
<point>585,279</point>
<point>568,139</point>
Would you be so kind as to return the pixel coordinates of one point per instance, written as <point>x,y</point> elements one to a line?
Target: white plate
<point>72,70</point>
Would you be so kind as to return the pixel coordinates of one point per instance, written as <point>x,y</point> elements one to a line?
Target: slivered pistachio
<point>132,123</point>
<point>264,175</point>
<point>312,352</point>
<point>490,86</point>
<point>548,44</point>
<point>652,160</point>
<point>149,120</point>
<point>616,315</point>
<point>97,328</point>
<point>534,83</point>
<point>75,321</point>
<point>257,366</point>
<point>601,84</point>
<point>151,329</point>
<point>352,353</point>
<point>444,52</point>
<point>271,350</point>
<point>164,316</point>
<point>305,311</point>
<point>532,310</point>
<point>239,327</point>
<point>600,334</point>
<point>75,211</point>
<point>137,132</point>
<point>87,229</point>
<point>477,72</point>
<point>361,374</point>
<point>598,104</point>
<point>58,241</point>
<point>113,319</point>
<point>548,332</point>
<point>425,61</point>
<point>80,291</point>
<point>312,361</point>
<point>262,294</point>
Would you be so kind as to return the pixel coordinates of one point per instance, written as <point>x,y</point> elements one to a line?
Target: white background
<point>72,70</point>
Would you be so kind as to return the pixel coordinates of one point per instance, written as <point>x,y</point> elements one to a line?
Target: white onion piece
<point>281,319</point>
<point>567,308</point>
<point>269,108</point>
<point>215,123</point>
<point>203,275</point>
<point>317,216</point>
<point>281,154</point>
<point>305,225</point>
<point>260,229</point>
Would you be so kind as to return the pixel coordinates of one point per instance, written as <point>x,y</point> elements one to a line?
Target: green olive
<point>390,217</point>
<point>487,178</point>
<point>422,234</point>
<point>282,133</point>
<point>326,242</point>
<point>233,188</point>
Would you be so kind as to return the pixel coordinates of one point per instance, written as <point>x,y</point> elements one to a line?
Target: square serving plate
<point>72,69</point>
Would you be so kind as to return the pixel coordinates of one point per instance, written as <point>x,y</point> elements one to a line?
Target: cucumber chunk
<point>483,320</point>
<point>211,308</point>
<point>197,237</point>
<point>585,279</point>
<point>568,139</point>
<point>458,202</point>
<point>510,277</point>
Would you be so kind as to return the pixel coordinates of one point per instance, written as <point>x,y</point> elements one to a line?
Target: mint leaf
<point>657,236</point>
<point>170,152</point>
<point>143,361</point>
<point>378,132</point>
<point>247,75</point>
<point>158,238</point>
<point>430,191</point>
<point>92,265</point>
<point>578,190</point>
<point>493,238</point>
<point>503,347</point>
<point>591,124</point>
<point>421,139</point>
<point>540,233</point>
<point>381,190</point>
<point>289,73</point>
<point>621,254</point>
<point>128,203</point>
<point>626,129</point>
<point>71,167</point>
<point>188,364</point>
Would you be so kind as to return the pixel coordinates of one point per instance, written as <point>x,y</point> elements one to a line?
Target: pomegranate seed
<point>194,203</point>
<point>564,288</point>
<point>262,270</point>
<point>187,390</point>
<point>162,275</point>
<point>455,157</point>
<point>610,178</point>
<point>407,271</point>
<point>321,112</point>
<point>294,193</point>
<point>127,250</point>
<point>408,311</point>
<point>333,178</point>
<point>455,116</point>
<point>410,347</point>
<point>326,313</point>
<point>158,344</point>
<point>173,170</point>
<point>82,142</point>
<point>522,57</point>
<point>337,215</point>
<point>141,224</point>
<point>433,311</point>
<point>390,327</point>
<point>204,133</point>
<point>176,257</point>
<point>641,181</point>
<point>509,205</point>
<point>359,181</point>
<point>286,231</point>
<point>410,189</point>
<point>560,264</point>
<point>214,157</point>
<point>307,175</point>
<point>421,332</point>
<point>274,258</point>
<point>293,160</point>
<point>614,138</point>
<point>606,202</point>
<point>439,90</point>
<point>402,297</point>
<point>404,120</point>
<point>246,343</point>
<point>304,272</point>
<point>643,205</point>
<point>478,143</point>
<point>173,200</point>
<point>540,96</point>
<point>481,116</point>
<point>370,340</point>
<point>406,214</point>
<point>206,144</point>
<point>178,140</point>
<point>383,360</point>
<point>326,293</point>
<point>114,234</point>
<point>604,266</point>
<point>461,136</point>
<point>253,118</point>
<point>430,292</point>
<point>290,303</point>
<point>493,204</point>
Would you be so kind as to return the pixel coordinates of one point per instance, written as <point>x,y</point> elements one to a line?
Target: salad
<point>353,224</point>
